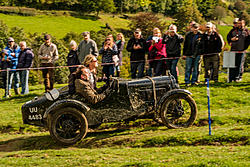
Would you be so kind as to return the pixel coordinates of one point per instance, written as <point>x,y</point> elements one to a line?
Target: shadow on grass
<point>221,85</point>
<point>87,17</point>
<point>45,142</point>
<point>21,98</point>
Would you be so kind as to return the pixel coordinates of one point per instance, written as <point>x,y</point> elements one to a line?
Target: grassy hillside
<point>58,26</point>
<point>141,142</point>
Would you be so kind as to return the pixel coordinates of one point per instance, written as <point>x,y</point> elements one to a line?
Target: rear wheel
<point>178,110</point>
<point>68,126</point>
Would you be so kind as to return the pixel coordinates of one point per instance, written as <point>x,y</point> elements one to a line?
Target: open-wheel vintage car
<point>68,116</point>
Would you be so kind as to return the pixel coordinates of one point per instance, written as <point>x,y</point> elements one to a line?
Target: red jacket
<point>158,50</point>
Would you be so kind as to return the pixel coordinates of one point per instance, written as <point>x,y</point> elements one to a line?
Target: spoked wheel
<point>68,126</point>
<point>178,110</point>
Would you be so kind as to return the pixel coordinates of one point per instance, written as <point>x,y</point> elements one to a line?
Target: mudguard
<point>66,103</point>
<point>169,93</point>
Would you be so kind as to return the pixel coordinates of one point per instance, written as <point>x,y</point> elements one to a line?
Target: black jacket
<point>173,45</point>
<point>212,42</point>
<point>4,65</point>
<point>138,54</point>
<point>229,35</point>
<point>72,59</point>
<point>243,39</point>
<point>193,44</point>
<point>25,58</point>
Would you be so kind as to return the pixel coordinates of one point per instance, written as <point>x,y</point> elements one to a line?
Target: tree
<point>240,5</point>
<point>172,7</point>
<point>3,34</point>
<point>219,12</point>
<point>147,22</point>
<point>188,12</point>
<point>99,5</point>
<point>158,6</point>
<point>245,16</point>
<point>206,7</point>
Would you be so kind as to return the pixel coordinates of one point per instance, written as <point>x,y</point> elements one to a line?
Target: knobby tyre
<point>67,126</point>
<point>178,111</point>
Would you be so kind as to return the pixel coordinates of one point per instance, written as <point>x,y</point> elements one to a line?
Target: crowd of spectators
<point>160,53</point>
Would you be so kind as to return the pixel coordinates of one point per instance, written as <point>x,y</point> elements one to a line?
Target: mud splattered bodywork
<point>132,99</point>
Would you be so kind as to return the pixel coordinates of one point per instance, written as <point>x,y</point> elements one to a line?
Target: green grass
<point>166,156</point>
<point>141,142</point>
<point>58,26</point>
<point>114,21</point>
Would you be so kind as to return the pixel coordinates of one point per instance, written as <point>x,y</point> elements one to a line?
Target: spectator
<point>5,63</point>
<point>238,39</point>
<point>189,28</point>
<point>48,55</point>
<point>25,60</point>
<point>235,27</point>
<point>108,50</point>
<point>247,43</point>
<point>137,47</point>
<point>157,54</point>
<point>120,41</point>
<point>192,50</point>
<point>213,44</point>
<point>173,48</point>
<point>13,53</point>
<point>86,47</point>
<point>72,58</point>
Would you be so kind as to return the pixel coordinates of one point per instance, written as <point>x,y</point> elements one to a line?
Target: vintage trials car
<point>68,117</point>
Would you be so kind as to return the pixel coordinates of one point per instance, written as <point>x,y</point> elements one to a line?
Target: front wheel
<point>68,126</point>
<point>178,110</point>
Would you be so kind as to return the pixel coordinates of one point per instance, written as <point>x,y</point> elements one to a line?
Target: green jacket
<point>84,88</point>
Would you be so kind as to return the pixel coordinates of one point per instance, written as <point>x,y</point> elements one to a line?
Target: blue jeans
<point>24,77</point>
<point>108,70</point>
<point>191,63</point>
<point>14,75</point>
<point>159,67</point>
<point>137,66</point>
<point>171,65</point>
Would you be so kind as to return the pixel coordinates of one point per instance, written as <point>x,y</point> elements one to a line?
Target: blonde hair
<point>156,29</point>
<point>123,39</point>
<point>72,43</point>
<point>88,59</point>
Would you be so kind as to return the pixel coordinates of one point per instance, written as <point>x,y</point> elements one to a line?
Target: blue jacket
<point>14,60</point>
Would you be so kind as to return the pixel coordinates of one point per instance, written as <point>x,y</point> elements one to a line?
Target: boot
<point>17,91</point>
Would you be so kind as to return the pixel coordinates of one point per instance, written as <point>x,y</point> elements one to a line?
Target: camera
<point>156,39</point>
